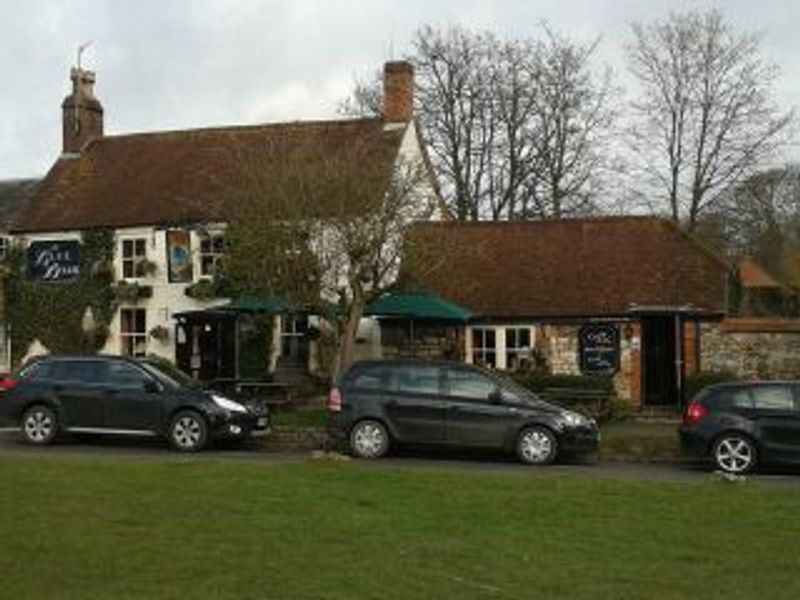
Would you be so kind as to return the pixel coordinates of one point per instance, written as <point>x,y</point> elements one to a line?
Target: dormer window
<point>134,254</point>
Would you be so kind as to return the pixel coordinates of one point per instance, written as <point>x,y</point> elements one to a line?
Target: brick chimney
<point>82,113</point>
<point>398,91</point>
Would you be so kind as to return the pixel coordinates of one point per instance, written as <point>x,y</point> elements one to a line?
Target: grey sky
<point>173,64</point>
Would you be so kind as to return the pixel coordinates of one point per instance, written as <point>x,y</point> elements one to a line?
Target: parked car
<point>740,425</point>
<point>380,403</point>
<point>122,396</point>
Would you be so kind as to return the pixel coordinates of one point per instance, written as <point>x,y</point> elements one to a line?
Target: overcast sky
<point>192,63</point>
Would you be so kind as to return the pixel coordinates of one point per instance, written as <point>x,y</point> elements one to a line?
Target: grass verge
<point>78,528</point>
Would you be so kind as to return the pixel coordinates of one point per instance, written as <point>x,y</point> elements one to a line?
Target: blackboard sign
<point>58,260</point>
<point>599,348</point>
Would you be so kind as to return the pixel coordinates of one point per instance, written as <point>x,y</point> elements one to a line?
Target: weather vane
<point>81,48</point>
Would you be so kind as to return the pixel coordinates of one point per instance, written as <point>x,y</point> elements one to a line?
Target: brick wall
<point>752,348</point>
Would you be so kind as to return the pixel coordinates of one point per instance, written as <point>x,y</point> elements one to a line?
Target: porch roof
<point>245,304</point>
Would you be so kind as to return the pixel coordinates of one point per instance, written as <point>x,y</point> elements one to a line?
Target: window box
<point>125,291</point>
<point>206,289</point>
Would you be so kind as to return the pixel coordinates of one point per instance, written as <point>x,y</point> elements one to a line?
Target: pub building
<point>618,296</point>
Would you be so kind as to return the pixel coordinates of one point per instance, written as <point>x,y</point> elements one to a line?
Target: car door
<point>774,409</point>
<point>414,405</point>
<point>476,414</point>
<point>77,387</point>
<point>133,401</point>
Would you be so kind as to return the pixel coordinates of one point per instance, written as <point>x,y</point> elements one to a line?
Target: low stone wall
<point>752,348</point>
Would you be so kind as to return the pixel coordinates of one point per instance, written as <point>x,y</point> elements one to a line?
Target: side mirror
<point>151,386</point>
<point>496,397</point>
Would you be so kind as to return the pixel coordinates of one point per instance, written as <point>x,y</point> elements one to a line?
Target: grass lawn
<point>121,528</point>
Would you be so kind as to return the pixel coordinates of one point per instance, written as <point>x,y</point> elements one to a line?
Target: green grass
<point>118,528</point>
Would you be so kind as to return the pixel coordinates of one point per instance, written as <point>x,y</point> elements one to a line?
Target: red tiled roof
<point>574,267</point>
<point>753,275</point>
<point>183,176</point>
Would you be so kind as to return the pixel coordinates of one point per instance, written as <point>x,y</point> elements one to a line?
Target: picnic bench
<point>592,403</point>
<point>272,393</point>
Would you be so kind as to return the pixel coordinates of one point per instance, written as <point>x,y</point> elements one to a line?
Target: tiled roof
<point>753,275</point>
<point>570,268</point>
<point>185,176</point>
<point>14,195</point>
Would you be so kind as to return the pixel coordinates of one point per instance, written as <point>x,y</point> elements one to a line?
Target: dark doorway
<point>659,359</point>
<point>206,347</point>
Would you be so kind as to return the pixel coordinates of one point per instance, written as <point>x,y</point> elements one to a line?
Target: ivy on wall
<point>53,312</point>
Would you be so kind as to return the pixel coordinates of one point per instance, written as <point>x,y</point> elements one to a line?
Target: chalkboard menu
<point>57,260</point>
<point>599,349</point>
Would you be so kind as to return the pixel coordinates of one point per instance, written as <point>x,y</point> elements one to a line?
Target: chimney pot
<point>81,112</point>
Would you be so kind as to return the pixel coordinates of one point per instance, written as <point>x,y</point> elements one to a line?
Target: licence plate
<point>261,422</point>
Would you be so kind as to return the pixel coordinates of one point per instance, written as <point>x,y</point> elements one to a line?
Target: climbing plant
<point>53,312</point>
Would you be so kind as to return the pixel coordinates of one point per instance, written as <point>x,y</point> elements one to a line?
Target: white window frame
<point>479,349</point>
<point>128,339</point>
<point>135,258</point>
<point>475,354</point>
<point>210,252</point>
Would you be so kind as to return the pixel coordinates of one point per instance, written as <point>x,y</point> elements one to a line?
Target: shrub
<point>539,382</point>
<point>697,381</point>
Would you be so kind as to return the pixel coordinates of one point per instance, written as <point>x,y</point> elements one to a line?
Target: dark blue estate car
<point>121,396</point>
<point>739,425</point>
<point>377,403</point>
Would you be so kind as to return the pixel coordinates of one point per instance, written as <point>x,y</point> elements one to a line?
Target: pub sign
<point>55,260</point>
<point>599,349</point>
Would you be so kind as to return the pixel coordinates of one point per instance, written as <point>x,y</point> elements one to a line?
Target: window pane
<point>773,397</point>
<point>79,371</point>
<point>468,384</point>
<point>418,380</point>
<point>123,375</point>
<point>373,378</point>
<point>140,248</point>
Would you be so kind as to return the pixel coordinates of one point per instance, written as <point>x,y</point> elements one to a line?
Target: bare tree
<point>704,118</point>
<point>516,128</point>
<point>321,224</point>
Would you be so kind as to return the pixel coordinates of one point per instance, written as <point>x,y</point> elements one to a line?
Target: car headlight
<point>573,419</point>
<point>227,404</point>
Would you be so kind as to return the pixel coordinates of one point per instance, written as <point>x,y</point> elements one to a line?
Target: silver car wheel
<point>39,425</point>
<point>734,454</point>
<point>187,432</point>
<point>536,446</point>
<point>369,439</point>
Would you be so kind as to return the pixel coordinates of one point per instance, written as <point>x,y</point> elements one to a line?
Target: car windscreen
<point>170,376</point>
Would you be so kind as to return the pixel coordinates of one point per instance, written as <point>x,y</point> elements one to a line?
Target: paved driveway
<point>109,448</point>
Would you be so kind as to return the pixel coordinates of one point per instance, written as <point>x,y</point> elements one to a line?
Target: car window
<point>729,397</point>
<point>38,371</point>
<point>124,375</point>
<point>374,377</point>
<point>773,397</point>
<point>464,383</point>
<point>417,379</point>
<point>78,371</point>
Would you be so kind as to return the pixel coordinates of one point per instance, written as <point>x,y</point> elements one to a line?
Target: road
<point>105,448</point>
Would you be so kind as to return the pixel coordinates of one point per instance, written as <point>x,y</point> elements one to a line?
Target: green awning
<point>245,304</point>
<point>256,304</point>
<point>419,306</point>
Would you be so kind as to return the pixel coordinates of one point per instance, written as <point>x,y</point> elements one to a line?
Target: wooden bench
<point>593,403</point>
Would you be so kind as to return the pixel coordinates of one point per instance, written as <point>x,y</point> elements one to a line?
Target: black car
<point>739,425</point>
<point>377,403</point>
<point>122,396</point>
